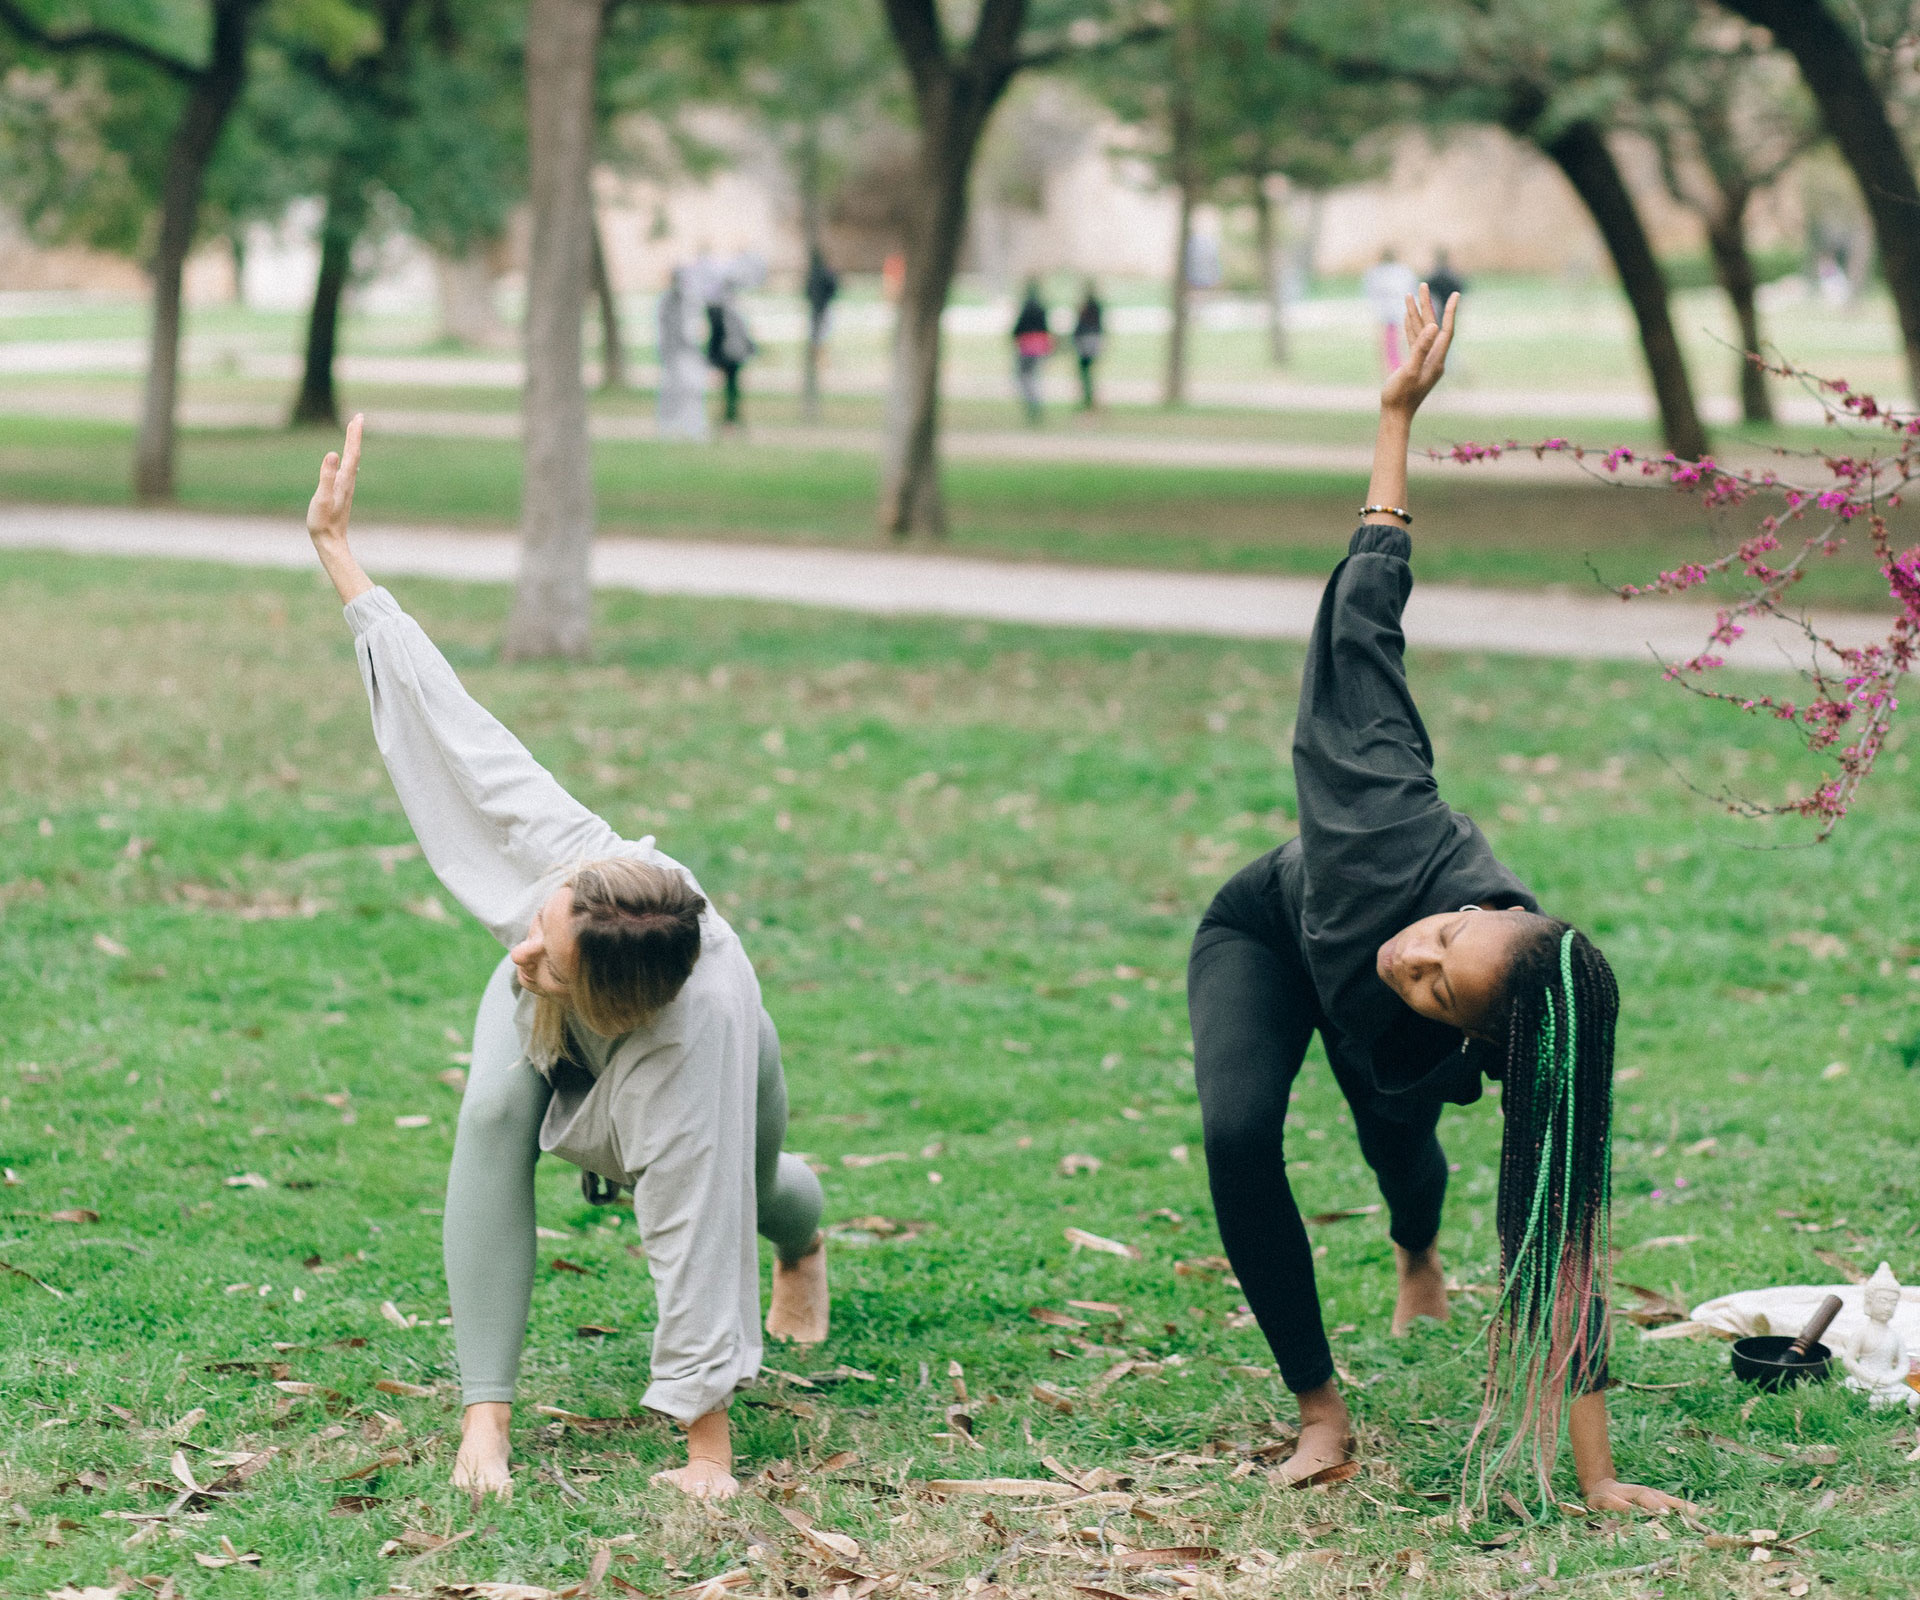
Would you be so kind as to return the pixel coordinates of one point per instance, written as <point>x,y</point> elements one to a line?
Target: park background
<point>966,854</point>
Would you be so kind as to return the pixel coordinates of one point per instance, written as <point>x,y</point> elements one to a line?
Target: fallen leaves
<point>77,1214</point>
<point>1054,1319</point>
<point>562,1264</point>
<point>21,1272</point>
<point>1003,1488</point>
<point>585,1424</point>
<point>1073,1164</point>
<point>1651,1308</point>
<point>415,1391</point>
<point>1080,1239</point>
<point>1053,1398</point>
<point>248,1180</point>
<point>229,1556</point>
<point>852,1160</point>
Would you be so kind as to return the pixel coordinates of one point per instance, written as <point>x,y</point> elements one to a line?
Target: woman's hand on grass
<point>1610,1494</point>
<point>329,512</point>
<point>1428,337</point>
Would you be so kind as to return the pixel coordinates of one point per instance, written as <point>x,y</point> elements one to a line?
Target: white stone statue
<point>683,366</point>
<point>1873,1353</point>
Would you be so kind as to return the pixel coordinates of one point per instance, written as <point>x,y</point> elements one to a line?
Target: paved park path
<point>901,583</point>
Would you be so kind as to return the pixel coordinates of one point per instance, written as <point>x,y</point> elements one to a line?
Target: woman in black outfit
<point>1389,926</point>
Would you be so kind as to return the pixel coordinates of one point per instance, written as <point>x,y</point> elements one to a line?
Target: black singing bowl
<point>1765,1361</point>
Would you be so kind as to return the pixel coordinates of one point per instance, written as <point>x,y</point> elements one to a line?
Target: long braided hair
<point>1550,1329</point>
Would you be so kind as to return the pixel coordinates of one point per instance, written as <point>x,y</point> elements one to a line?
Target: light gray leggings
<point>488,1238</point>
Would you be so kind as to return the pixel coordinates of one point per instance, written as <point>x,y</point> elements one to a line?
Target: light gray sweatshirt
<point>667,1108</point>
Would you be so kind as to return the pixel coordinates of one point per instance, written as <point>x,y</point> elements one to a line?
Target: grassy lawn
<point>1472,528</point>
<point>966,861</point>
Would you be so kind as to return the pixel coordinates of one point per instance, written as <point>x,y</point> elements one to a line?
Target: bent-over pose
<point>1424,964</point>
<point>622,1032</point>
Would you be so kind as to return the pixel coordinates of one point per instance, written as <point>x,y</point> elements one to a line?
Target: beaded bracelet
<point>1401,512</point>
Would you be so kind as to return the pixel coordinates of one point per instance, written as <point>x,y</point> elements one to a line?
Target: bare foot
<point>1324,1439</point>
<point>481,1466</point>
<point>800,1308</point>
<point>701,1478</point>
<point>1423,1289</point>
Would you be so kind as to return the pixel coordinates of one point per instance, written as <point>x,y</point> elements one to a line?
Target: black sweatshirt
<point>1378,848</point>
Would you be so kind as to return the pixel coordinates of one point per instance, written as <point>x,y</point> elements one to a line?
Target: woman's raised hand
<point>332,502</point>
<point>1427,339</point>
<point>327,515</point>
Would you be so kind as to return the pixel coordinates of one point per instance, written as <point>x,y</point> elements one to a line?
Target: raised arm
<point>494,824</point>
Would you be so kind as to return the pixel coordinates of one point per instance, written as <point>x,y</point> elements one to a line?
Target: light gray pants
<point>488,1238</point>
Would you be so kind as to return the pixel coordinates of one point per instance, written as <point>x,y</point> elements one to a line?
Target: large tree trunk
<point>1272,269</point>
<point>209,102</point>
<point>1733,267</point>
<point>1580,151</point>
<point>552,603</point>
<point>613,350</point>
<point>1173,391</point>
<point>911,500</point>
<point>345,217</point>
<point>953,99</point>
<point>1852,109</point>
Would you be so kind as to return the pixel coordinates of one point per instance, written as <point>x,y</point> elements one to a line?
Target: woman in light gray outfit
<point>623,1032</point>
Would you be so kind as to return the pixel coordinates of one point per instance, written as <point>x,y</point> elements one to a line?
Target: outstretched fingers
<point>349,468</point>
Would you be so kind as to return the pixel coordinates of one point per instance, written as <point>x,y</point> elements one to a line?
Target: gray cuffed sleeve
<point>493,822</point>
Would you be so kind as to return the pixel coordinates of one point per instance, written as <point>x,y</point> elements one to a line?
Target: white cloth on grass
<point>670,1106</point>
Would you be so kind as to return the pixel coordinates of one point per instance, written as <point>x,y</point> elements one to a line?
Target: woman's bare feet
<point>800,1309</point>
<point>1324,1439</point>
<point>701,1478</point>
<point>1423,1288</point>
<point>481,1465</point>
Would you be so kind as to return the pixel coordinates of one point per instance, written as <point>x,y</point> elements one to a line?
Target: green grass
<point>1472,529</point>
<point>966,861</point>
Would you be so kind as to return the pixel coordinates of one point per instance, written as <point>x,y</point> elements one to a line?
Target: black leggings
<point>1253,1010</point>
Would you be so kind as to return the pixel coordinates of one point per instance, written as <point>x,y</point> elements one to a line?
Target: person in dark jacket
<point>730,347</point>
<point>1089,337</point>
<point>1390,928</point>
<point>1032,344</point>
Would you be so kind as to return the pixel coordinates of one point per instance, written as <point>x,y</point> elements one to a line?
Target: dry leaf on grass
<point>1080,1239</point>
<point>387,1458</point>
<point>248,1180</point>
<point>839,1460</point>
<point>737,1578</point>
<point>562,1264</point>
<point>19,1272</point>
<point>1651,1308</point>
<point>1345,1215</point>
<point>228,1557</point>
<point>414,1391</point>
<point>1175,1554</point>
<point>573,1419</point>
<point>1104,1307</point>
<point>1841,1265</point>
<point>396,1316</point>
<point>1057,1399</point>
<point>1328,1476</point>
<point>1195,1266</point>
<point>596,1330</point>
<point>851,1160</point>
<point>75,1214</point>
<point>352,1505</point>
<point>1005,1488</point>
<point>1075,1162</point>
<point>1054,1319</point>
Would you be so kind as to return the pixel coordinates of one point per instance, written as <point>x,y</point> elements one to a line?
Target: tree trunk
<point>1580,151</point>
<point>209,102</point>
<point>1855,115</point>
<point>911,500</point>
<point>1272,268</point>
<point>552,602</point>
<point>613,350</point>
<point>345,216</point>
<point>1733,267</point>
<point>1179,303</point>
<point>953,99</point>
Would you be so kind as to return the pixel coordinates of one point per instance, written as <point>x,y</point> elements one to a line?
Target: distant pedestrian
<point>823,283</point>
<point>1089,336</point>
<point>1443,283</point>
<point>1387,284</point>
<point>730,346</point>
<point>1032,344</point>
<point>683,379</point>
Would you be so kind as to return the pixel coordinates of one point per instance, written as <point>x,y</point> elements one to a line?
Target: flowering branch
<point>1852,697</point>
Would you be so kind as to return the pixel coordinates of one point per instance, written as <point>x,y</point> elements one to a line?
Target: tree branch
<point>1067,49</point>
<point>31,32</point>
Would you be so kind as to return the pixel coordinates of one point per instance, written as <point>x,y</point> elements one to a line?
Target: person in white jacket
<point>623,1032</point>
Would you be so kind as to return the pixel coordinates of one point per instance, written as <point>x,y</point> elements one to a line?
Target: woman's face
<point>545,957</point>
<point>1449,966</point>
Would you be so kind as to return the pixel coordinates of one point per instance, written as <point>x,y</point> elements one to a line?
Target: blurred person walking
<point>730,346</point>
<point>1386,286</point>
<point>1032,344</point>
<point>1443,283</point>
<point>682,404</point>
<point>822,286</point>
<point>1089,337</point>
